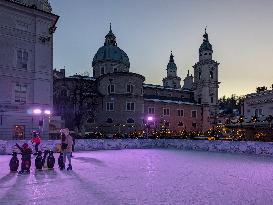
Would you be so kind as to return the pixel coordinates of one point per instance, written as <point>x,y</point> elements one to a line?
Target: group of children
<point>40,161</point>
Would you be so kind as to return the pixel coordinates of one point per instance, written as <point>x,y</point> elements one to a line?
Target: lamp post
<point>150,119</point>
<point>43,113</point>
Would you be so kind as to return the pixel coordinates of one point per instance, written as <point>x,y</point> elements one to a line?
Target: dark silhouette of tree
<point>228,104</point>
<point>75,100</point>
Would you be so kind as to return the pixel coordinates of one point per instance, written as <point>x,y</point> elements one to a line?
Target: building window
<point>211,100</point>
<point>130,88</point>
<point>20,93</point>
<point>111,88</point>
<point>193,113</point>
<point>258,112</point>
<point>19,132</point>
<point>151,110</point>
<point>211,74</point>
<point>130,106</point>
<point>199,100</point>
<point>194,124</point>
<point>130,121</point>
<point>102,72</point>
<point>180,113</point>
<point>199,75</point>
<point>109,106</point>
<point>22,59</point>
<point>166,111</point>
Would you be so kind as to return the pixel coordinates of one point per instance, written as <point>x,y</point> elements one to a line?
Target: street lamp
<point>150,119</point>
<point>38,111</point>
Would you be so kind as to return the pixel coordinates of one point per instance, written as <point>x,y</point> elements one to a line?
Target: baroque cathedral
<point>117,100</point>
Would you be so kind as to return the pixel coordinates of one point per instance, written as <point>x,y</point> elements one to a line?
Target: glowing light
<point>150,118</point>
<point>47,112</point>
<point>37,111</point>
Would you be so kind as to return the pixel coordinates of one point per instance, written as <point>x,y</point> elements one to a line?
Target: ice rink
<point>144,177</point>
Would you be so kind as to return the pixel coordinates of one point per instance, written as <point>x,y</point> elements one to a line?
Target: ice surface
<point>145,177</point>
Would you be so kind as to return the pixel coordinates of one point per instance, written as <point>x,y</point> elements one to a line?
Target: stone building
<point>259,104</point>
<point>26,65</point>
<point>118,100</point>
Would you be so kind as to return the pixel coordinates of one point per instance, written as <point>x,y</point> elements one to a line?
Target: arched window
<point>130,121</point>
<point>109,120</point>
<point>211,74</point>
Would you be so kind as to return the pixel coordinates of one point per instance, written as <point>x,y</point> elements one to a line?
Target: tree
<point>228,104</point>
<point>75,100</point>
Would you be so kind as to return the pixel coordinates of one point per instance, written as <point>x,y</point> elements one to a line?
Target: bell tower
<point>206,82</point>
<point>172,80</point>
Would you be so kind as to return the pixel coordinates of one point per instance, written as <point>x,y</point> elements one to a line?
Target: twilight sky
<point>240,31</point>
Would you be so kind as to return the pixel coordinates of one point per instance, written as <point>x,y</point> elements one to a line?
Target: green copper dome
<point>111,52</point>
<point>43,5</point>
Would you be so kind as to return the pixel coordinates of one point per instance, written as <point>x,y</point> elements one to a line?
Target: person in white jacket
<point>66,146</point>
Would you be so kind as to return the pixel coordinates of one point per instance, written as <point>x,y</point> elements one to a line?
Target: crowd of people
<point>66,147</point>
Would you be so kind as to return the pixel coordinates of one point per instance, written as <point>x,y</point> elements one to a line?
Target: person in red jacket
<point>36,140</point>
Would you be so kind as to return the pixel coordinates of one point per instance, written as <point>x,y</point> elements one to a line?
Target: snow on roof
<point>171,101</point>
<point>162,87</point>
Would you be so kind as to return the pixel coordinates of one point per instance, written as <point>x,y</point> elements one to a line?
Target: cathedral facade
<point>117,100</point>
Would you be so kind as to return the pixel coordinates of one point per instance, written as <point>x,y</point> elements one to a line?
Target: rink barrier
<point>244,147</point>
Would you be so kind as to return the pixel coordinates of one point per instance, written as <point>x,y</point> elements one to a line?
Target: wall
<point>245,147</point>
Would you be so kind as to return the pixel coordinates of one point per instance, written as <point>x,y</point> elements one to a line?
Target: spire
<point>205,46</point>
<point>110,38</point>
<point>206,36</point>
<point>171,57</point>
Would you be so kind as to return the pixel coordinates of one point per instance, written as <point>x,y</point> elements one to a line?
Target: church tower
<point>172,80</point>
<point>206,78</point>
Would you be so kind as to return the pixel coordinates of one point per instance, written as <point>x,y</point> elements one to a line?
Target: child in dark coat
<point>26,158</point>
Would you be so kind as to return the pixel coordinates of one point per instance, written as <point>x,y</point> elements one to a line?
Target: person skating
<point>26,158</point>
<point>36,140</point>
<point>66,146</point>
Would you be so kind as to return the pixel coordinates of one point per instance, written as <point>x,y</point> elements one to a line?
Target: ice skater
<point>66,146</point>
<point>26,158</point>
<point>36,139</point>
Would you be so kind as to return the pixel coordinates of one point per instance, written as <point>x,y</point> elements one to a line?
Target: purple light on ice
<point>37,111</point>
<point>47,112</point>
